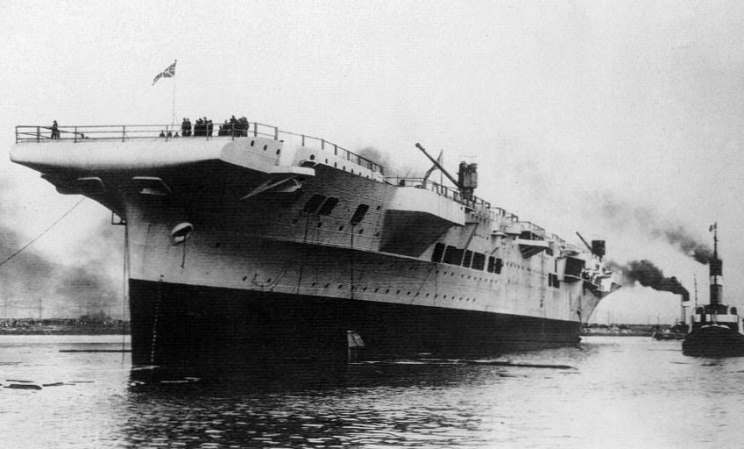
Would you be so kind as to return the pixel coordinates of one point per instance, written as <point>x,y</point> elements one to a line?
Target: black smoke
<point>623,214</point>
<point>33,284</point>
<point>681,238</point>
<point>649,275</point>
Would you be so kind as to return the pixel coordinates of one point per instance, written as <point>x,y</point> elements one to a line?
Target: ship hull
<point>713,341</point>
<point>186,325</point>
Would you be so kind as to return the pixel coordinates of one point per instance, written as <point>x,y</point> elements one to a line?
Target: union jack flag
<point>169,71</point>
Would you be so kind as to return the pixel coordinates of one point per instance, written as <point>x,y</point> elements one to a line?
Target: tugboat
<point>716,329</point>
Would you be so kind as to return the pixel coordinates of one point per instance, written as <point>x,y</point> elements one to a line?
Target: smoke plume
<point>623,214</point>
<point>681,238</point>
<point>33,285</point>
<point>389,165</point>
<point>649,275</point>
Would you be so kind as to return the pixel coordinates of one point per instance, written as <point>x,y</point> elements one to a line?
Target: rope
<point>19,251</point>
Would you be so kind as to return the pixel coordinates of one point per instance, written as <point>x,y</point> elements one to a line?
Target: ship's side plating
<point>246,248</point>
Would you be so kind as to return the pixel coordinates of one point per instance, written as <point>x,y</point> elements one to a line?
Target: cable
<point>42,233</point>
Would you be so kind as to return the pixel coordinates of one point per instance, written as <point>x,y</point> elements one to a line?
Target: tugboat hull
<point>714,341</point>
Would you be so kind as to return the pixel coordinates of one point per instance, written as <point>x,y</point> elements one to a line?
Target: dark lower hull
<point>713,342</point>
<point>175,324</point>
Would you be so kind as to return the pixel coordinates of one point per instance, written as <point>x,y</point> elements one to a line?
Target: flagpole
<point>173,108</point>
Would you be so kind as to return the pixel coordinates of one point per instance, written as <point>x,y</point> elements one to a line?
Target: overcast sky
<point>615,119</point>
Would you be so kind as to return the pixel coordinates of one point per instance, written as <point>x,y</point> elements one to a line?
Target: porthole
<point>312,157</point>
<point>278,151</point>
<point>253,142</point>
<point>265,146</point>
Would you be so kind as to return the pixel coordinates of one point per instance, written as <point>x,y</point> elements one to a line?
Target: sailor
<point>162,133</point>
<point>210,127</point>
<point>185,127</point>
<point>55,130</point>
<point>243,121</point>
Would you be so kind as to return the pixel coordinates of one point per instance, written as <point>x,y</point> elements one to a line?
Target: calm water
<point>617,393</point>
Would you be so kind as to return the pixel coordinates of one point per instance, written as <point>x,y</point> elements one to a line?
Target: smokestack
<point>716,271</point>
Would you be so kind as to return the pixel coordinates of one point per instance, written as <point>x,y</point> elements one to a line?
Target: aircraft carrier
<point>266,244</point>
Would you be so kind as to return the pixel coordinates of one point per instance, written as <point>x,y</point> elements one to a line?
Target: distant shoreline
<point>121,328</point>
<point>63,332</point>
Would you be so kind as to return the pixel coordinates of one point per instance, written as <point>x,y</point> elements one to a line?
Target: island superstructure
<point>275,244</point>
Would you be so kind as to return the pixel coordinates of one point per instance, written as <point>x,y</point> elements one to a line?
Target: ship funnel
<point>716,289</point>
<point>598,248</point>
<point>467,178</point>
<point>715,266</point>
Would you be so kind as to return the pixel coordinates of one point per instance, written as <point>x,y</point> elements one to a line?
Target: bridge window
<point>452,255</point>
<point>359,214</point>
<point>466,260</point>
<point>313,203</point>
<point>328,206</point>
<point>479,259</point>
<point>436,256</point>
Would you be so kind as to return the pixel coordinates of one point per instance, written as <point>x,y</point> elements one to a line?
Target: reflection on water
<point>611,392</point>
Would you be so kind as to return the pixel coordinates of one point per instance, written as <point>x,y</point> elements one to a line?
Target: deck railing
<point>448,192</point>
<point>123,133</point>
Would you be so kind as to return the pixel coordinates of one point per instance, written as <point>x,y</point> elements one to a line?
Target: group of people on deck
<point>204,127</point>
